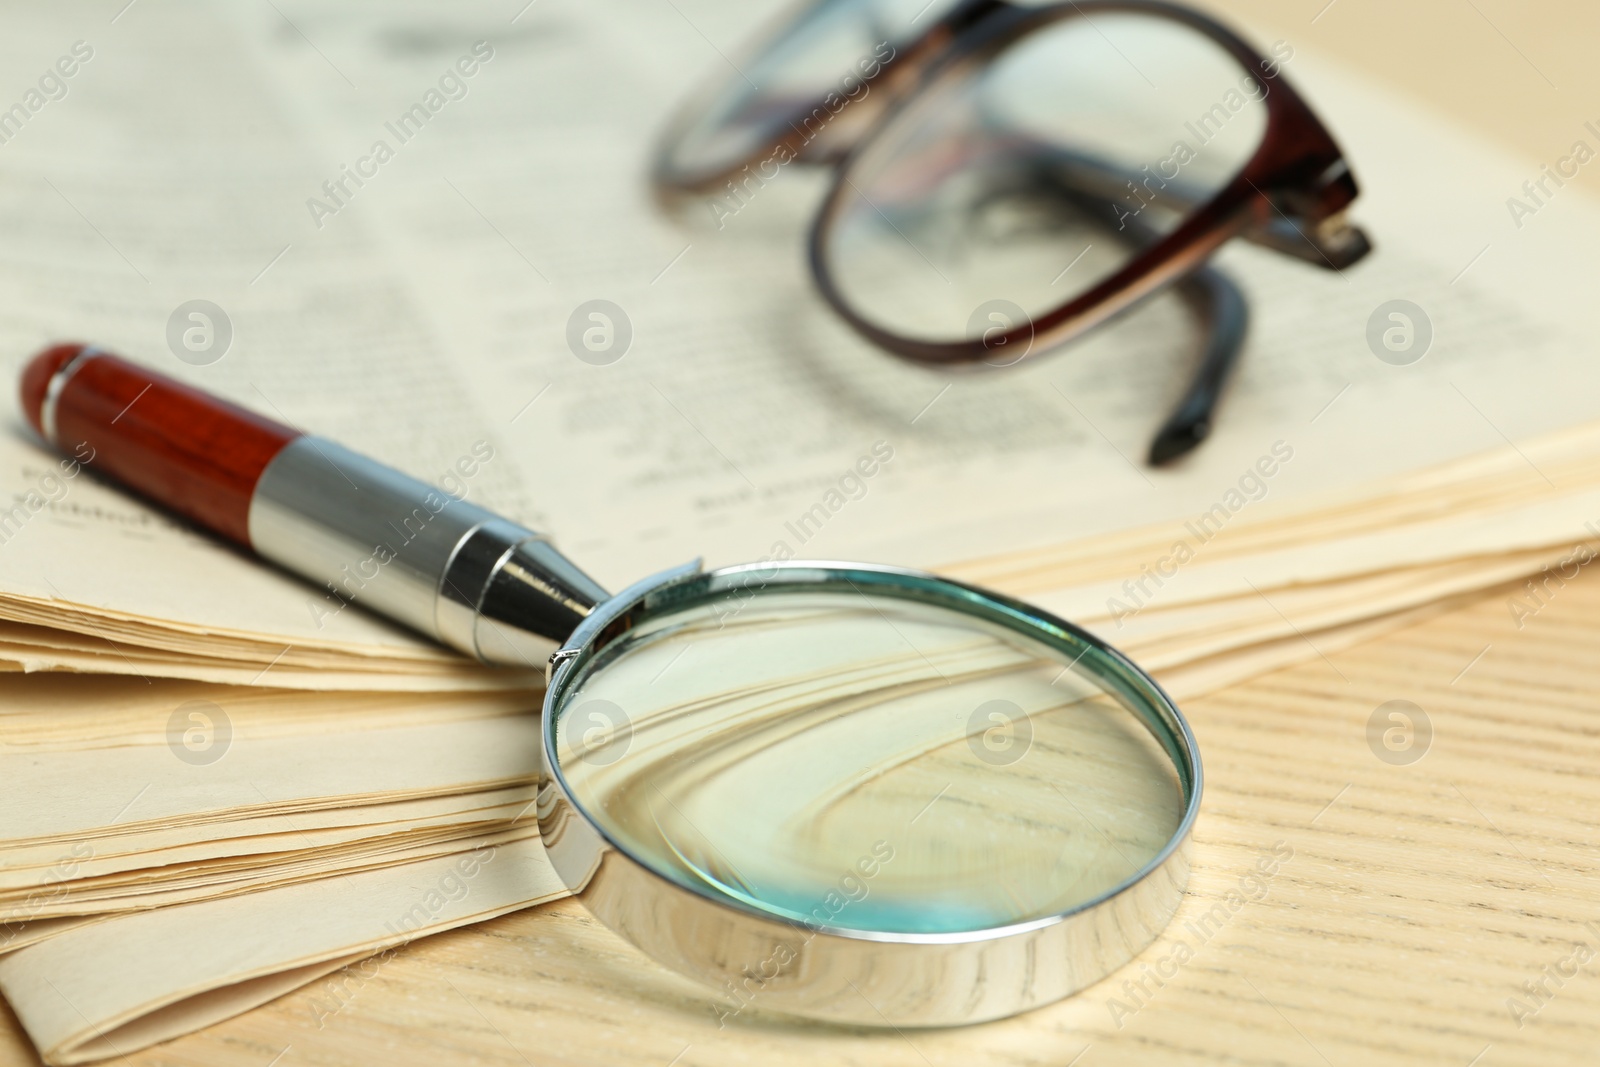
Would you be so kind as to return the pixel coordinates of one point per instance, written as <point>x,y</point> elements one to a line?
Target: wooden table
<point>1426,913</point>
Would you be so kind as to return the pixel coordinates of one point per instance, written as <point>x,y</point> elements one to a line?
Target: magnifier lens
<point>868,759</point>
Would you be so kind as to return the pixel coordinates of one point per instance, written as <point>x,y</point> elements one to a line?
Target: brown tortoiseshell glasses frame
<point>1290,196</point>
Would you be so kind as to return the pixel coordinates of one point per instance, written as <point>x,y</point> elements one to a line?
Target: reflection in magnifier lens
<point>864,761</point>
<point>1034,173</point>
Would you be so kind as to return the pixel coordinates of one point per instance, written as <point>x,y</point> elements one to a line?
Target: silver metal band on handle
<point>381,539</point>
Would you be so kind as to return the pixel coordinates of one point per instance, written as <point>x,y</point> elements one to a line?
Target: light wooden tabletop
<point>1427,912</point>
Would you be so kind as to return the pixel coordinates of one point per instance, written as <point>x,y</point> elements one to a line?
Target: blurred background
<point>205,154</point>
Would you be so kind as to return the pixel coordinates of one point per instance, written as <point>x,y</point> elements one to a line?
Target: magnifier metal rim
<point>580,646</point>
<point>610,620</point>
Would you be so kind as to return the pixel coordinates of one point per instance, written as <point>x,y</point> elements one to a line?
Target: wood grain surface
<point>1427,912</point>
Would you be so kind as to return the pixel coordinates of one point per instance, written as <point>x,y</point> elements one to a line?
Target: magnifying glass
<point>862,793</point>
<point>845,791</point>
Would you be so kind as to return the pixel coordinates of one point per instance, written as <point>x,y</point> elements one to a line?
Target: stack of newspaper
<point>176,834</point>
<point>1219,597</point>
<point>210,811</point>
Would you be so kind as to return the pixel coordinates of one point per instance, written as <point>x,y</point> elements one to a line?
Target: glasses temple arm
<point>1214,299</point>
<point>1330,243</point>
<point>1224,321</point>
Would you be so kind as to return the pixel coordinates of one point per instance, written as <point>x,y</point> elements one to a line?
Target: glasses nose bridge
<point>827,141</point>
<point>903,74</point>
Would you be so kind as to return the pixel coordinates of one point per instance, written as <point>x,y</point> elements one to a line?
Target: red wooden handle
<point>183,449</point>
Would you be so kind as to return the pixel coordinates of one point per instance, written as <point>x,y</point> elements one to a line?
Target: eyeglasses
<point>1010,176</point>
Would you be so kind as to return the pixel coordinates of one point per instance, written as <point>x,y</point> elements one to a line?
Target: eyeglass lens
<point>1009,186</point>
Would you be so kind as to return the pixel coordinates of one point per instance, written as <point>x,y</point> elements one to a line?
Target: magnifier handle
<point>368,534</point>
